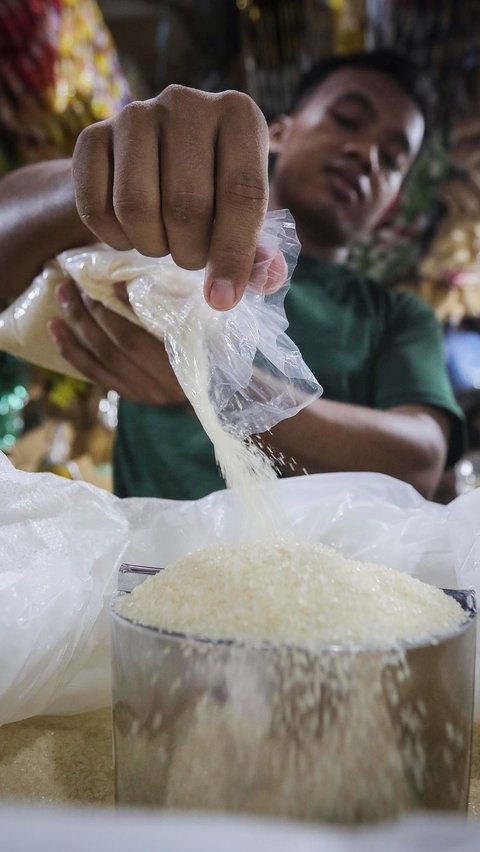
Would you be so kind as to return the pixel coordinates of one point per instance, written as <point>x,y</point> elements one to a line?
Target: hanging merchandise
<point>441,37</point>
<point>59,73</point>
<point>413,27</point>
<point>280,40</point>
<point>435,34</point>
<point>349,21</point>
<point>450,272</point>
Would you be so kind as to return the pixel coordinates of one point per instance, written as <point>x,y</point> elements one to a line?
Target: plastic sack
<point>256,375</point>
<point>61,544</point>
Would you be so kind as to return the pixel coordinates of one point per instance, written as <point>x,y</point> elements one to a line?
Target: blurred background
<point>65,64</point>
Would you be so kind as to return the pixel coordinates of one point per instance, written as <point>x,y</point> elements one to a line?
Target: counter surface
<point>68,759</point>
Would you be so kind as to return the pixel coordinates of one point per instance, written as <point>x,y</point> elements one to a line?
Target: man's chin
<point>324,226</point>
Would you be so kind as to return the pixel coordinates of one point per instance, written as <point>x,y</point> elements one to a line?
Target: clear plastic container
<point>339,736</point>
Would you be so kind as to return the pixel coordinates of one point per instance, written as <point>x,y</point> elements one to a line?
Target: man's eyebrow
<point>360,100</point>
<point>398,137</point>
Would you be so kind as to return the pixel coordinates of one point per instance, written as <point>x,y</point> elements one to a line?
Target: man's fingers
<point>121,346</point>
<point>185,172</point>
<point>92,170</point>
<point>82,359</point>
<point>269,272</point>
<point>136,181</point>
<point>241,198</point>
<point>140,348</point>
<point>86,330</point>
<point>188,134</point>
<point>277,273</point>
<point>133,387</point>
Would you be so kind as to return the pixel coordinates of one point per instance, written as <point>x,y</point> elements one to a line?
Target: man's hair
<point>402,70</point>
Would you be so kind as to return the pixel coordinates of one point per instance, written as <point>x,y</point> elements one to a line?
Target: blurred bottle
<point>13,398</point>
<point>57,458</point>
<point>467,473</point>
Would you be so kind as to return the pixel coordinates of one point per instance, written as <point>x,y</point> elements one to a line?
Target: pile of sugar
<point>307,596</point>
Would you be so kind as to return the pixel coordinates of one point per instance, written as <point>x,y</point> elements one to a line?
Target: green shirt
<point>365,344</point>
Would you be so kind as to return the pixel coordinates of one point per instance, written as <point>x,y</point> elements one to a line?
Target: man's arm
<point>38,219</point>
<point>407,442</point>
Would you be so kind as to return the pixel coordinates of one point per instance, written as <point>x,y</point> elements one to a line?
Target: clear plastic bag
<point>61,544</point>
<point>256,374</point>
<point>23,325</point>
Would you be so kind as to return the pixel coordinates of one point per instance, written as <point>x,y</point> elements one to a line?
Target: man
<point>186,173</point>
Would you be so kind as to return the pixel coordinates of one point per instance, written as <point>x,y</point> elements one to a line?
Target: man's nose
<point>365,153</point>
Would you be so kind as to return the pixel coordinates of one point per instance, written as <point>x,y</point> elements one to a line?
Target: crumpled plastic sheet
<point>61,544</point>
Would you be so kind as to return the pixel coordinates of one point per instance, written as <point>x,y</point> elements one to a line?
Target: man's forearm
<point>38,219</point>
<point>408,443</point>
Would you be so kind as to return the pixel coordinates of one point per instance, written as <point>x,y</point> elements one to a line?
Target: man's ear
<point>277,130</point>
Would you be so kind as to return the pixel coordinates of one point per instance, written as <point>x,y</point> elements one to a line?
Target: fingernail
<point>87,301</point>
<point>63,295</point>
<point>222,294</point>
<point>54,331</point>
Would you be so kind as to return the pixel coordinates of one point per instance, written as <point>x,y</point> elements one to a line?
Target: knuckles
<point>92,214</point>
<point>89,142</point>
<point>187,207</point>
<point>176,97</point>
<point>93,135</point>
<point>241,103</point>
<point>131,111</point>
<point>246,187</point>
<point>133,203</point>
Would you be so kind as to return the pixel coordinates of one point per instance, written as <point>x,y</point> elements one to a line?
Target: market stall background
<point>60,71</point>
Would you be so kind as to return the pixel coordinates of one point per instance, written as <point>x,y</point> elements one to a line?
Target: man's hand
<point>112,351</point>
<point>184,173</point>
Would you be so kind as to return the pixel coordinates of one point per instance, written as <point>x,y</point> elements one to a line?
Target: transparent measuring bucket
<point>343,736</point>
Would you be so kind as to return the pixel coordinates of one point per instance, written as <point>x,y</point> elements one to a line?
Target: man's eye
<point>346,120</point>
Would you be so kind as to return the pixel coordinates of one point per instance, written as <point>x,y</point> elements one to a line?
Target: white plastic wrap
<point>45,829</point>
<point>61,543</point>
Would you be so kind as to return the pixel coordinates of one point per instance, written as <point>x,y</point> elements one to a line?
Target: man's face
<point>342,157</point>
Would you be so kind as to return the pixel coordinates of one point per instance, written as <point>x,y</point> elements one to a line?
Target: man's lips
<point>344,185</point>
